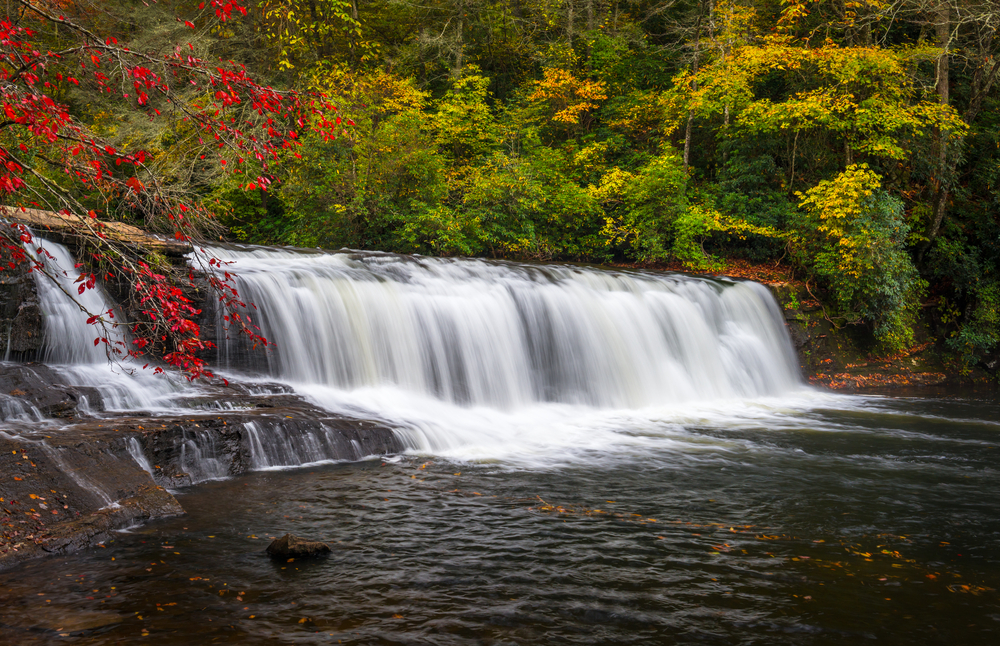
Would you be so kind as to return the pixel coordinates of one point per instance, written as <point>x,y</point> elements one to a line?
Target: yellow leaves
<point>843,197</point>
<point>370,92</point>
<point>864,95</point>
<point>969,589</point>
<point>612,186</point>
<point>734,21</point>
<point>568,97</point>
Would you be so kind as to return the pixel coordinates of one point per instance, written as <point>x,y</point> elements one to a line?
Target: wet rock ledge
<point>69,482</point>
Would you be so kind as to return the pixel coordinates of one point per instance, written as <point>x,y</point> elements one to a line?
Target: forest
<point>856,142</point>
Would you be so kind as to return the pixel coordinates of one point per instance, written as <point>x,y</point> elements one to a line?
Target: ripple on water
<point>719,533</point>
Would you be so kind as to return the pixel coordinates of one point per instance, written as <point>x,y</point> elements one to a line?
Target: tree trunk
<point>694,86</point>
<point>460,47</point>
<point>687,142</point>
<point>569,23</point>
<point>943,32</point>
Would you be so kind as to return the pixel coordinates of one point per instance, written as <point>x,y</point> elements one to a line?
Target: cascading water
<point>469,358</point>
<point>69,339</point>
<point>492,360</point>
<point>507,336</point>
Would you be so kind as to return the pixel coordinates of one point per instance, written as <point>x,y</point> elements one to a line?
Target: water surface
<point>828,521</point>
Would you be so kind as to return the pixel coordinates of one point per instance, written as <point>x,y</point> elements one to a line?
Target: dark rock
<point>70,495</point>
<point>38,385</point>
<point>71,486</point>
<point>798,332</point>
<point>289,546</point>
<point>991,362</point>
<point>20,316</point>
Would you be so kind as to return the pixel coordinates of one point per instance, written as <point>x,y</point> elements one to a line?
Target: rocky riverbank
<point>68,482</point>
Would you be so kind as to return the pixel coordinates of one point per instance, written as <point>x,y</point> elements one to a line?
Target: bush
<point>851,236</point>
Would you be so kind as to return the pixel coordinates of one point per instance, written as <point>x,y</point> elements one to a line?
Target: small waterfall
<point>69,340</point>
<point>201,458</point>
<point>85,483</point>
<point>506,335</point>
<point>279,445</point>
<point>68,337</point>
<point>135,450</point>
<point>14,409</point>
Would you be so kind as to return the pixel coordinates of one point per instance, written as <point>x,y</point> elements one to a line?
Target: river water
<point>595,458</point>
<point>817,520</point>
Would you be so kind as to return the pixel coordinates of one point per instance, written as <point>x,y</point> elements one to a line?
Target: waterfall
<point>69,340</point>
<point>68,337</point>
<point>506,335</point>
<point>471,359</point>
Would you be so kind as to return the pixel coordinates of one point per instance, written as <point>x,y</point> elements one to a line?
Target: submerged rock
<point>289,546</point>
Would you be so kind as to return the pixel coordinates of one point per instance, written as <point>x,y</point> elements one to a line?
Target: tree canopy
<point>857,141</point>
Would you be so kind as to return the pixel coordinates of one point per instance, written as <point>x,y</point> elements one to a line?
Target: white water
<point>70,341</point>
<point>509,336</point>
<point>66,340</point>
<point>470,359</point>
<point>499,361</point>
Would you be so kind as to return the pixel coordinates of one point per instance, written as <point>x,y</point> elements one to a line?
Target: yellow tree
<point>864,97</point>
<point>566,100</point>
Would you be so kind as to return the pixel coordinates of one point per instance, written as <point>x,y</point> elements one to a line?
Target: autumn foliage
<point>53,161</point>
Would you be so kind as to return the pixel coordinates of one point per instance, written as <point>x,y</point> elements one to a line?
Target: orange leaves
<point>569,98</point>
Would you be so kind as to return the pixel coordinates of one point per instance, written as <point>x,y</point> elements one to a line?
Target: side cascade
<point>506,335</point>
<point>193,452</point>
<point>72,345</point>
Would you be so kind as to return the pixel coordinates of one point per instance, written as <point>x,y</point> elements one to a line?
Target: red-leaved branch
<point>51,160</point>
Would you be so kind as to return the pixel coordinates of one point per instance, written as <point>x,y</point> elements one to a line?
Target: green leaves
<point>852,237</point>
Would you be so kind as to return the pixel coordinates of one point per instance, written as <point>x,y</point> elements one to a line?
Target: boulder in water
<point>289,546</point>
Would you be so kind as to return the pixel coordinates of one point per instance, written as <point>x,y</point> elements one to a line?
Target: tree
<point>53,55</point>
<point>852,236</point>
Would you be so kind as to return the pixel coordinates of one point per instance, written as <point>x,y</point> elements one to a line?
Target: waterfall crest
<point>507,335</point>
